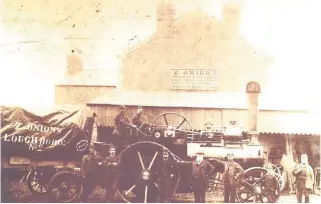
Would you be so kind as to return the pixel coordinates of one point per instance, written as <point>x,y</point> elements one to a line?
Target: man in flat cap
<point>269,181</point>
<point>304,179</point>
<point>138,119</point>
<point>122,127</point>
<point>112,165</point>
<point>90,172</point>
<point>166,177</point>
<point>201,169</point>
<point>232,173</point>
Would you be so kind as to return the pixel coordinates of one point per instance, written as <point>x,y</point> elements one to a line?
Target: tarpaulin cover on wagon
<point>58,133</point>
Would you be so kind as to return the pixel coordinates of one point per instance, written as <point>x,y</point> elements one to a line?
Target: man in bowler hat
<point>201,169</point>
<point>166,177</point>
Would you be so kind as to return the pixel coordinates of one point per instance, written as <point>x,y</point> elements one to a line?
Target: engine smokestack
<point>253,90</point>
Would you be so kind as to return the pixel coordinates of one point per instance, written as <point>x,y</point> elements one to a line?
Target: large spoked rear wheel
<point>65,187</point>
<point>139,164</point>
<point>266,185</point>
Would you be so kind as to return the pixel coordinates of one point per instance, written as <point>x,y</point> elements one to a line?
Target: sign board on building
<point>194,79</point>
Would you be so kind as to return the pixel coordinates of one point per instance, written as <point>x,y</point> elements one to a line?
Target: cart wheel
<point>37,181</point>
<point>65,187</point>
<point>138,168</point>
<point>276,169</point>
<point>266,185</point>
<point>279,175</point>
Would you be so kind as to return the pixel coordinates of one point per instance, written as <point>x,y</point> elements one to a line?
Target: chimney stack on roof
<point>231,16</point>
<point>165,18</point>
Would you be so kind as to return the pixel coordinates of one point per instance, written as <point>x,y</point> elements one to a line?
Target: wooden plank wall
<point>196,116</point>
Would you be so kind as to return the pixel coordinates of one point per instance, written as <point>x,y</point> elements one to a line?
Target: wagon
<point>46,144</point>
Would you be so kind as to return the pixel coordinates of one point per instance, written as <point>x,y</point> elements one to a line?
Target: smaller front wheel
<point>37,180</point>
<point>65,187</point>
<point>267,188</point>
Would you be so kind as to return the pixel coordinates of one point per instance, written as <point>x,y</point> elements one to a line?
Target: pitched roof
<point>219,100</point>
<point>172,99</point>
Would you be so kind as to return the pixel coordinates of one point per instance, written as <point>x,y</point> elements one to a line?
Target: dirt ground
<point>20,193</point>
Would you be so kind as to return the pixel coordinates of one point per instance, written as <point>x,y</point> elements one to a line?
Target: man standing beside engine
<point>167,172</point>
<point>111,164</point>
<point>232,172</point>
<point>201,169</point>
<point>90,172</point>
<point>232,175</point>
<point>304,179</point>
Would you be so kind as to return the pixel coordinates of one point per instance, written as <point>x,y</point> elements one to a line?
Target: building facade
<point>203,68</point>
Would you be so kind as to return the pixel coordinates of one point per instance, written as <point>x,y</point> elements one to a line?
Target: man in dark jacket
<point>270,183</point>
<point>89,125</point>
<point>122,127</point>
<point>112,166</point>
<point>201,169</point>
<point>232,172</point>
<point>233,175</point>
<point>90,172</point>
<point>137,120</point>
<point>167,175</point>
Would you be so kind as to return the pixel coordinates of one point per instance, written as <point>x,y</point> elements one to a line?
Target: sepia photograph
<point>160,101</point>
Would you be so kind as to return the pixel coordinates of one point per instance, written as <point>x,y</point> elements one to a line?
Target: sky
<point>285,29</point>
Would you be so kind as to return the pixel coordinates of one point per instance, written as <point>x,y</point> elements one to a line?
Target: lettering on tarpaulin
<point>35,141</point>
<point>36,127</point>
<point>194,79</point>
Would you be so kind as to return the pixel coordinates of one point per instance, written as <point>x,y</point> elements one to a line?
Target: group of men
<point>94,167</point>
<point>96,170</point>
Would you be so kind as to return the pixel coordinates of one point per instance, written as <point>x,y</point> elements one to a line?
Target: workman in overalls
<point>304,179</point>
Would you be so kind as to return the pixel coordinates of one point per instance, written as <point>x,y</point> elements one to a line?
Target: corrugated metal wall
<point>196,116</point>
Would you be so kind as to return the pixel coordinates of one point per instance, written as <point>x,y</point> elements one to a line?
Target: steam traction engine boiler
<point>140,159</point>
